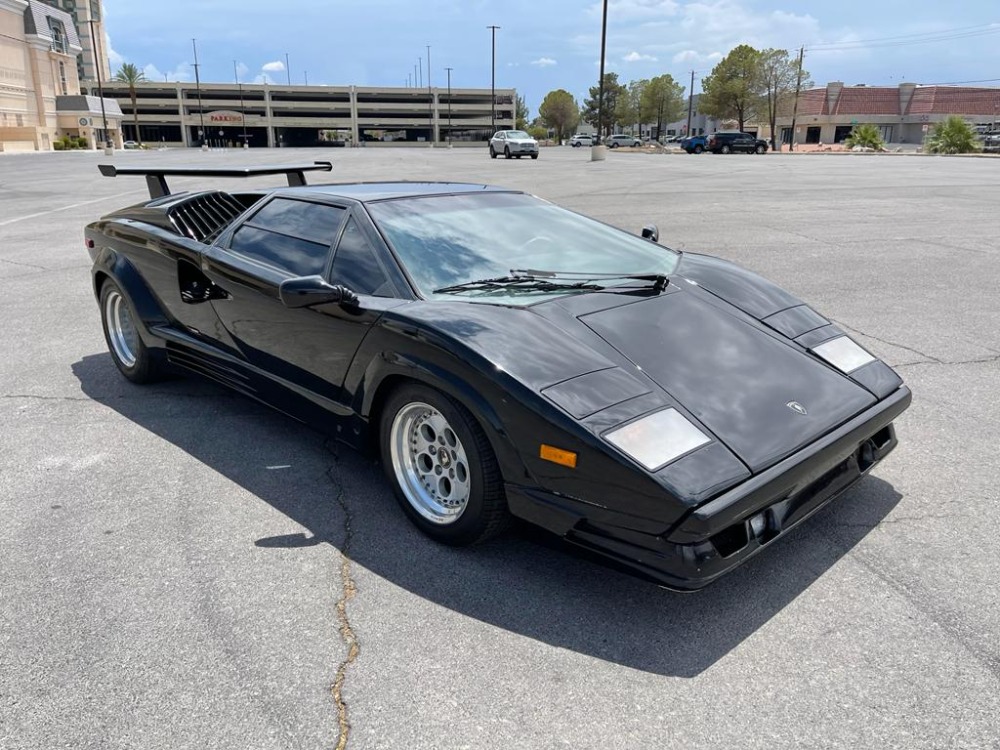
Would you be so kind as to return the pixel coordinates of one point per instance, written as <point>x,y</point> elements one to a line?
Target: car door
<point>299,356</point>
<point>746,143</point>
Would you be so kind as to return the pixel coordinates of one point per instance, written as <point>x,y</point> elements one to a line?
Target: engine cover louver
<point>204,215</point>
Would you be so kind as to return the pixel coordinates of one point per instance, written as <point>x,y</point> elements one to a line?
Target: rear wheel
<point>534,156</point>
<point>441,466</point>
<point>121,331</point>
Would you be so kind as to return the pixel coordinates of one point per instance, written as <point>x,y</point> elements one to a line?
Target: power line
<point>908,36</point>
<point>888,44</point>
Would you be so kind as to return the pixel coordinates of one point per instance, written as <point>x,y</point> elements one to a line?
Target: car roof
<point>367,192</point>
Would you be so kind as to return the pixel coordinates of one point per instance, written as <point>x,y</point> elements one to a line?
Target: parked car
<point>694,144</point>
<point>735,143</point>
<point>513,143</point>
<point>670,410</point>
<point>581,139</point>
<point>130,145</point>
<point>615,141</point>
<point>991,142</point>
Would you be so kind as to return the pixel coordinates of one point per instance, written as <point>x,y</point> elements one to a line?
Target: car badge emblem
<point>797,407</point>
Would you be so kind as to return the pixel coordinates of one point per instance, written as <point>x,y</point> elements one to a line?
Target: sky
<point>548,44</point>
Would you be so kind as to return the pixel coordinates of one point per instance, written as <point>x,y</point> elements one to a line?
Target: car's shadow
<point>523,582</point>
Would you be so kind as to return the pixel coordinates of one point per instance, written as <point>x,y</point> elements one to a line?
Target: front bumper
<point>725,532</point>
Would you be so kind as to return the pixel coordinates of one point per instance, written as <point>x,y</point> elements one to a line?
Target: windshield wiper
<point>518,282</point>
<point>658,280</point>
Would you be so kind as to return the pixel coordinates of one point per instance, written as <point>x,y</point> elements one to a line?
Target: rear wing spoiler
<point>157,184</point>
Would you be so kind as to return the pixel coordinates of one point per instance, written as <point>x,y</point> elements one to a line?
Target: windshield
<point>517,134</point>
<point>448,240</point>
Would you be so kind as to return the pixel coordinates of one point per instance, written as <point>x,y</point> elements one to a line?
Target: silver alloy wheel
<point>121,328</point>
<point>430,463</point>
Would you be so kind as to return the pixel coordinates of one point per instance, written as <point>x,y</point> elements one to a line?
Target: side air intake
<point>204,215</point>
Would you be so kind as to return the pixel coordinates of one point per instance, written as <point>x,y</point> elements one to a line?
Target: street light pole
<point>108,145</point>
<point>197,83</point>
<point>493,82</point>
<point>288,70</point>
<point>449,106</point>
<point>430,98</point>
<point>243,111</point>
<point>600,85</point>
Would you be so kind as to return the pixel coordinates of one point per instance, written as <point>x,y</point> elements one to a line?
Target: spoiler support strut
<point>157,183</point>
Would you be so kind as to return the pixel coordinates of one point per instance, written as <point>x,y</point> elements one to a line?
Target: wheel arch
<point>114,266</point>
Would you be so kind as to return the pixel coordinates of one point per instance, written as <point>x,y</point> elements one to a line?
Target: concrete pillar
<point>437,116</point>
<point>355,130</point>
<point>272,139</point>
<point>183,116</point>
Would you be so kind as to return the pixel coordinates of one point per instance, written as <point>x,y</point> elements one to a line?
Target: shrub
<point>866,136</point>
<point>538,133</point>
<point>58,145</point>
<point>79,142</point>
<point>953,136</point>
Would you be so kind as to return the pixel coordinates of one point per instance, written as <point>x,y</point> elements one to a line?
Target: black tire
<point>493,154</point>
<point>761,149</point>
<point>534,156</point>
<point>613,144</point>
<point>142,366</point>
<point>725,149</point>
<point>506,152</point>
<point>699,149</point>
<point>517,156</point>
<point>485,514</point>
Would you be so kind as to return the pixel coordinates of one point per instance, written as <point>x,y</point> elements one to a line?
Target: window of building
<point>356,264</point>
<point>290,236</point>
<point>58,35</point>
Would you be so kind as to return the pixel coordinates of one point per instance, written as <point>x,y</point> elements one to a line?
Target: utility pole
<point>795,106</point>
<point>449,105</point>
<point>600,85</point>
<point>430,97</point>
<point>420,71</point>
<point>690,105</point>
<point>243,111</point>
<point>307,77</point>
<point>288,70</point>
<point>197,83</point>
<point>493,83</point>
<point>108,145</point>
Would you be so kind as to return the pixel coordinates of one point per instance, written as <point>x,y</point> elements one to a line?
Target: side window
<point>356,264</point>
<point>289,235</point>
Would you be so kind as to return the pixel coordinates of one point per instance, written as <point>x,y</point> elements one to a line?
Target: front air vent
<point>203,216</point>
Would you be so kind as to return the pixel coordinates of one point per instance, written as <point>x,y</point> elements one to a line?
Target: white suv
<point>513,143</point>
<point>623,140</point>
<point>581,139</point>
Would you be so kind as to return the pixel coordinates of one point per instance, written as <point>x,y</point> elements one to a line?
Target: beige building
<point>179,114</point>
<point>88,17</point>
<point>40,98</point>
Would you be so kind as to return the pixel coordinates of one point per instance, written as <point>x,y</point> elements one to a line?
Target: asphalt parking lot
<point>182,568</point>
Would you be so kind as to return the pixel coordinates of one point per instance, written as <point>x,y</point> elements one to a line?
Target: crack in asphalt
<point>23,265</point>
<point>348,591</point>
<point>927,357</point>
<point>107,399</point>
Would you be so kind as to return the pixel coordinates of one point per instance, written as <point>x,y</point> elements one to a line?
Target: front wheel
<point>725,150</point>
<point>761,148</point>
<point>121,331</point>
<point>506,152</point>
<point>493,154</point>
<point>699,149</point>
<point>534,156</point>
<point>441,466</point>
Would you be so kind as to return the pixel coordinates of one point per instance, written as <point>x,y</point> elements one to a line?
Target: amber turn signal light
<point>557,455</point>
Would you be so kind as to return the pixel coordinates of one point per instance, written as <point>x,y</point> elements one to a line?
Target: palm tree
<point>953,136</point>
<point>130,74</point>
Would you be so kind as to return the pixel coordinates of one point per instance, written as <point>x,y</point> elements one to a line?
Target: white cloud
<point>181,72</point>
<point>693,56</point>
<point>273,67</point>
<point>242,70</point>
<point>115,60</point>
<point>263,78</point>
<point>634,56</point>
<point>543,62</point>
<point>631,10</point>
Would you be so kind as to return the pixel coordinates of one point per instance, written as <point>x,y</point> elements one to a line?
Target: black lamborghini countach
<point>505,357</point>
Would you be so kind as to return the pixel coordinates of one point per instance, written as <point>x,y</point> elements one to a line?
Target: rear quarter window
<point>291,236</point>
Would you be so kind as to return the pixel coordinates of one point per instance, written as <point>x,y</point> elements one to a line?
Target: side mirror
<point>306,291</point>
<point>651,233</point>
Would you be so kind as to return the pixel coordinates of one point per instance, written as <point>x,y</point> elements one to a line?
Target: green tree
<point>953,136</point>
<point>662,101</point>
<point>867,136</point>
<point>629,106</point>
<point>560,111</point>
<point>131,75</point>
<point>521,113</point>
<point>612,90</point>
<point>733,90</point>
<point>778,77</point>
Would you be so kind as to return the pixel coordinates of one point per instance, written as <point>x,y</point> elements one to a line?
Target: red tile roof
<point>954,100</point>
<point>813,102</point>
<point>867,100</point>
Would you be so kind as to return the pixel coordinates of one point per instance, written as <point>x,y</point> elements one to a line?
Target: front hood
<point>735,378</point>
